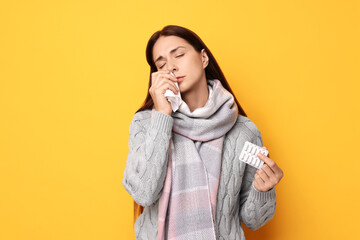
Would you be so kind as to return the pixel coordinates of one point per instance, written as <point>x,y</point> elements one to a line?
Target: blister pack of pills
<point>249,154</point>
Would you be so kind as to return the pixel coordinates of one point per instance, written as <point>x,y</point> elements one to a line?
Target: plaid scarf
<point>187,205</point>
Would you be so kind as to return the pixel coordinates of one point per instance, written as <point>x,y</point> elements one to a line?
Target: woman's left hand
<point>268,176</point>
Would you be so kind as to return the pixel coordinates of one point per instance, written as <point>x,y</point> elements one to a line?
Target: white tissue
<point>175,100</point>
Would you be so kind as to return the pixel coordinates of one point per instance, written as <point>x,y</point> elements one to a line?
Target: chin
<point>182,88</point>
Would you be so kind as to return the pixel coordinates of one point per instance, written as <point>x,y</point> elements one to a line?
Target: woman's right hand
<point>160,82</point>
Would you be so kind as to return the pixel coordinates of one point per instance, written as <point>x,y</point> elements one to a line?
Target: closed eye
<point>176,56</point>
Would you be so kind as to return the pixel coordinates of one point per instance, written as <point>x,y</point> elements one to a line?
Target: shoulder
<point>246,125</point>
<point>141,118</point>
<point>142,115</point>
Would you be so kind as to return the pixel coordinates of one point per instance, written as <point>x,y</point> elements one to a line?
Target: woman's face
<point>175,54</point>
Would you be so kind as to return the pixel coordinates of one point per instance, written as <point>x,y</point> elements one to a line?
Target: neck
<point>198,97</point>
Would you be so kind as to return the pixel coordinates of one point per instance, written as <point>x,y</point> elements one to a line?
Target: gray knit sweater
<point>237,199</point>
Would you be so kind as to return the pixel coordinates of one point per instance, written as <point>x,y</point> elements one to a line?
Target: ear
<point>204,58</point>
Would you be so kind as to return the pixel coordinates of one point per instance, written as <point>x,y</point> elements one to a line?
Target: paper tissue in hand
<point>175,100</point>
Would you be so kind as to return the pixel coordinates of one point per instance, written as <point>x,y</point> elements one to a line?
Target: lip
<point>180,78</point>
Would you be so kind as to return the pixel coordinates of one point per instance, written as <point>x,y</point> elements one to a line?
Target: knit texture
<point>237,199</point>
<point>187,206</point>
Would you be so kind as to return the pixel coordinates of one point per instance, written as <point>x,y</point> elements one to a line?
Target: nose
<point>171,67</point>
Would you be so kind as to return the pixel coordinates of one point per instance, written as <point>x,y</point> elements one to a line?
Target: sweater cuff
<point>262,196</point>
<point>161,121</point>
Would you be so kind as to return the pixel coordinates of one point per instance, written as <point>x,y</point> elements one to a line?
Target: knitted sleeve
<point>256,208</point>
<point>147,159</point>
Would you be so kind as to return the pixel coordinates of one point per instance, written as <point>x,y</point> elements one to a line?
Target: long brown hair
<point>212,71</point>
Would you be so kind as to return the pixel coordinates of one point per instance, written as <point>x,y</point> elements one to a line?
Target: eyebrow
<point>161,57</point>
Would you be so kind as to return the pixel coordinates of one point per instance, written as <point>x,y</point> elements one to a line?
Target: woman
<point>183,169</point>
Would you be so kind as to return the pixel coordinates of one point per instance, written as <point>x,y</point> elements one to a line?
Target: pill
<point>249,154</point>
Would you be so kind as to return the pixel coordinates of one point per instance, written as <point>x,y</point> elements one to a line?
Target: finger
<point>256,185</point>
<point>268,171</point>
<point>163,71</point>
<point>268,151</point>
<point>263,176</point>
<point>274,178</point>
<point>173,86</point>
<point>158,77</point>
<point>169,76</point>
<point>269,162</point>
<point>169,85</point>
<point>259,179</point>
<point>259,184</point>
